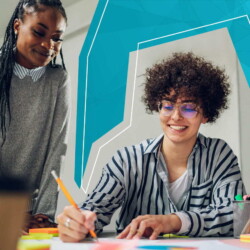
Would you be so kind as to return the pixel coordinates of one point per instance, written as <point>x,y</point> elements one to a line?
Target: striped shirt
<point>35,73</point>
<point>135,181</point>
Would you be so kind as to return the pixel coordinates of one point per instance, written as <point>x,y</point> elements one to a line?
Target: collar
<point>155,144</point>
<point>201,139</point>
<point>35,73</point>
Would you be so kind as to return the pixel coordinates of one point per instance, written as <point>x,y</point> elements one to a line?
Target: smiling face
<point>176,127</point>
<point>39,37</point>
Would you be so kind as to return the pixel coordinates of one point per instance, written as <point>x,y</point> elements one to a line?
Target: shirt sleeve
<point>185,222</point>
<point>216,219</point>
<point>108,194</point>
<point>46,200</point>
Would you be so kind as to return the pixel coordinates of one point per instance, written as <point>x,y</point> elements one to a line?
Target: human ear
<point>16,25</point>
<point>204,120</point>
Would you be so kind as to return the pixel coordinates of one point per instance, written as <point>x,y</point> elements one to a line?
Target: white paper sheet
<point>200,244</point>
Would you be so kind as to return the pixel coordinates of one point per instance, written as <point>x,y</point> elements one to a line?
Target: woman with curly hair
<point>180,182</point>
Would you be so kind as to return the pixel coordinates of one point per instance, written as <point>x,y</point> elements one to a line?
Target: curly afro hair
<point>187,75</point>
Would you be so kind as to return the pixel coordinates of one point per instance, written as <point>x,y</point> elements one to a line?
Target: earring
<point>15,34</point>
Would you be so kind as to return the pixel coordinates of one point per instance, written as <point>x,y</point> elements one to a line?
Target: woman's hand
<point>37,221</point>
<point>40,221</point>
<point>74,224</point>
<point>151,226</point>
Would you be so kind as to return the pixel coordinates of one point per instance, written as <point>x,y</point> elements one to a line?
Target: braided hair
<point>7,53</point>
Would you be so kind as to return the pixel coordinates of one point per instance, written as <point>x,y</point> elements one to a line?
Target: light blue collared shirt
<point>35,73</point>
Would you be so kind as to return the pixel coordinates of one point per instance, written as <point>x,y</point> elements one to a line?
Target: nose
<point>48,44</point>
<point>176,115</point>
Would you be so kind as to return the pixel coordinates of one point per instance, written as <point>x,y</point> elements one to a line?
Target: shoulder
<point>56,70</point>
<point>144,147</point>
<point>213,143</point>
<point>58,74</point>
<point>219,153</point>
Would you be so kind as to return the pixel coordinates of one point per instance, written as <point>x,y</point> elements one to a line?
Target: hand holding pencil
<point>74,224</point>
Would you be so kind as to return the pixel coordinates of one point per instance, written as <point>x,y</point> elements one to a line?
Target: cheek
<point>24,43</point>
<point>20,45</point>
<point>23,36</point>
<point>57,48</point>
<point>196,126</point>
<point>163,120</point>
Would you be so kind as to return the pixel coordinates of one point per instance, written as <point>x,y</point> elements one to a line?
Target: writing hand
<point>74,224</point>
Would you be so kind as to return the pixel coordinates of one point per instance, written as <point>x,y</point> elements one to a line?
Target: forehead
<point>48,16</point>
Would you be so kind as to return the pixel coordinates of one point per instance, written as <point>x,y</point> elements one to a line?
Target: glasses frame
<point>160,105</point>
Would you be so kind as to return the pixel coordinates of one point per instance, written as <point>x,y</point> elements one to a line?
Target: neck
<point>176,154</point>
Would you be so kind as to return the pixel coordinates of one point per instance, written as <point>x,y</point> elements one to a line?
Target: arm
<point>216,219</point>
<point>99,206</point>
<point>108,194</point>
<point>46,201</point>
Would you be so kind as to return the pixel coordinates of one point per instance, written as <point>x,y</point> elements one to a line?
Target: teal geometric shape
<point>122,26</point>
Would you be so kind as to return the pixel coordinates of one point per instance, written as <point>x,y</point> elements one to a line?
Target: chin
<point>175,139</point>
<point>42,64</point>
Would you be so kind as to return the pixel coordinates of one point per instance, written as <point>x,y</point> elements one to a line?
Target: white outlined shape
<point>85,94</point>
<point>134,84</point>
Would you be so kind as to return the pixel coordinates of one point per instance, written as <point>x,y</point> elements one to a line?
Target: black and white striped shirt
<point>134,181</point>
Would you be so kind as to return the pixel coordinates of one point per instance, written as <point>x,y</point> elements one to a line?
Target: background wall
<point>215,46</point>
<point>79,15</point>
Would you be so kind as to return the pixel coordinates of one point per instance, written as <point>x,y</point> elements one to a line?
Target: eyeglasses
<point>187,110</point>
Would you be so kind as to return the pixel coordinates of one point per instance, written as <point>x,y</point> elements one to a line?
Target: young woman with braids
<point>34,102</point>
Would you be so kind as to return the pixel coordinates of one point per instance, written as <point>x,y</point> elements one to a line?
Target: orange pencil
<point>69,197</point>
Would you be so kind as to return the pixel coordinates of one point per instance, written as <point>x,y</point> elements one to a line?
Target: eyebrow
<point>47,28</point>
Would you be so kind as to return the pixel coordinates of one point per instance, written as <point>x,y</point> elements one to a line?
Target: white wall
<point>79,18</point>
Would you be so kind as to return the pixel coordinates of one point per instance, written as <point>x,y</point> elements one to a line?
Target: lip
<point>44,53</point>
<point>177,128</point>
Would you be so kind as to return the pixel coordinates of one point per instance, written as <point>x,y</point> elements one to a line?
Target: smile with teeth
<point>177,127</point>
